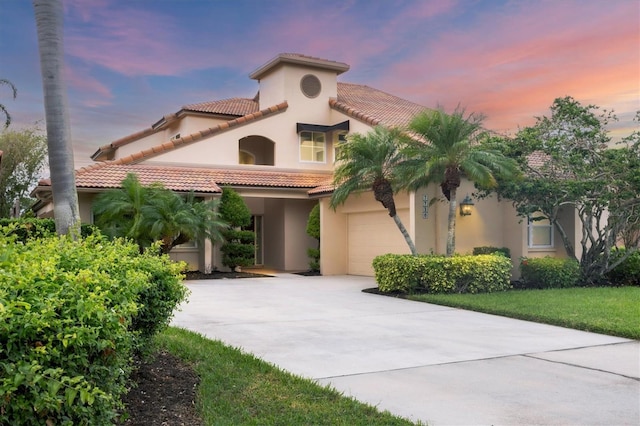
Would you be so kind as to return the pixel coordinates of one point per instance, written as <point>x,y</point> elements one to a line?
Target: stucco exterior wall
<point>296,240</point>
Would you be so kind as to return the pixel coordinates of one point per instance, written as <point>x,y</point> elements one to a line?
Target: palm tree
<point>7,116</point>
<point>152,213</point>
<point>175,220</point>
<point>370,162</point>
<point>50,41</point>
<point>447,153</point>
<point>119,212</point>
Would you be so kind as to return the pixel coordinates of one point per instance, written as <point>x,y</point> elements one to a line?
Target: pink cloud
<point>92,92</point>
<point>511,67</point>
<point>131,41</point>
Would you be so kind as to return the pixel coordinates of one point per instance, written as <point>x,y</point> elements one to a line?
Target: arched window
<point>246,157</point>
<point>256,150</point>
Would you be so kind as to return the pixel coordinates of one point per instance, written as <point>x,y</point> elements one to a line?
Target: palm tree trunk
<point>451,230</point>
<point>49,22</point>
<point>405,234</point>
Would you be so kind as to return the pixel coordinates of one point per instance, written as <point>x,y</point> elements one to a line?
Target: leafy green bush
<point>549,272</point>
<point>439,274</point>
<point>492,250</point>
<point>72,313</point>
<point>239,248</point>
<point>628,272</point>
<point>313,230</point>
<point>28,228</point>
<point>314,259</point>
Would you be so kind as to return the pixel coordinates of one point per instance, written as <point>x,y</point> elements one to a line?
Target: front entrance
<point>256,227</point>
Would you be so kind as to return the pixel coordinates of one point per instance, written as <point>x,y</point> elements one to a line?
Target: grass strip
<point>240,389</point>
<point>608,310</point>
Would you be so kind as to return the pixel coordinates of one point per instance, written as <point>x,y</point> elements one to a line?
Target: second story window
<point>341,139</point>
<point>312,147</point>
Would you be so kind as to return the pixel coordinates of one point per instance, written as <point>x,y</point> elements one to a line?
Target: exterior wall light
<point>465,206</point>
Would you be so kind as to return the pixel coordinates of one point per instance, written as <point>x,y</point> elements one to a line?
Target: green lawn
<point>607,310</point>
<point>239,389</point>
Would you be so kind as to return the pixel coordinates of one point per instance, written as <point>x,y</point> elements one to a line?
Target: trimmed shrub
<point>238,249</point>
<point>397,272</point>
<point>313,230</point>
<point>549,272</point>
<point>72,313</point>
<point>492,250</point>
<point>29,228</point>
<point>439,274</point>
<point>628,272</point>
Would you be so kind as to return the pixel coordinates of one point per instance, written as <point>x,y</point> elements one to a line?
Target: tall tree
<point>569,164</point>
<point>24,154</point>
<point>370,162</point>
<point>49,22</point>
<point>152,213</point>
<point>449,152</point>
<point>3,109</point>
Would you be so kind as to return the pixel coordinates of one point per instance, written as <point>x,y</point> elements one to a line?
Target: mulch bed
<point>217,275</point>
<point>164,394</point>
<point>165,387</point>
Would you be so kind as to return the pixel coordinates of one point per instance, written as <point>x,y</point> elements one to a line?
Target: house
<point>277,151</point>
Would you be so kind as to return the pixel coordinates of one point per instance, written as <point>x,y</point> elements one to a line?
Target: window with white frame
<point>540,232</point>
<point>312,147</point>
<point>340,140</point>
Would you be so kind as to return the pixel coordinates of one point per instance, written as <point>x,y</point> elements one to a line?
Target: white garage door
<point>371,234</point>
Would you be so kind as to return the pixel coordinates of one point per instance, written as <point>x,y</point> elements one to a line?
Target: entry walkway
<point>424,362</point>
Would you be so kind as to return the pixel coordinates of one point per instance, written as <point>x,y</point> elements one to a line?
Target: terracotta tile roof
<point>299,59</point>
<point>537,159</point>
<point>374,106</point>
<point>233,106</point>
<point>194,137</point>
<point>323,188</point>
<point>201,180</point>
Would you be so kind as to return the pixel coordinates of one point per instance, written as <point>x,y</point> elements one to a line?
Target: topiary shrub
<point>313,230</point>
<point>239,248</point>
<point>72,313</point>
<point>492,250</point>
<point>549,272</point>
<point>439,274</point>
<point>626,273</point>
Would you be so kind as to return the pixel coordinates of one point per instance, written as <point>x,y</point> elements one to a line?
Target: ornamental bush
<point>549,272</point>
<point>492,250</point>
<point>439,274</point>
<point>72,313</point>
<point>238,249</point>
<point>313,230</point>
<point>28,228</point>
<point>628,272</point>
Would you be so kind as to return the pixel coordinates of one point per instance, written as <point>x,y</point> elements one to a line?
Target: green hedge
<point>438,274</point>
<point>72,313</point>
<point>492,250</point>
<point>28,228</point>
<point>549,272</point>
<point>628,272</point>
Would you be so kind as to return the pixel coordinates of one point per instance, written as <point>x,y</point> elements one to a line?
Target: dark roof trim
<point>301,127</point>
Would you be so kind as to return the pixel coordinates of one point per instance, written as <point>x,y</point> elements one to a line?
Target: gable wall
<point>185,126</point>
<point>222,149</point>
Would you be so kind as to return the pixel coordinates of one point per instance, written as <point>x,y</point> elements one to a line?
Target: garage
<point>370,234</point>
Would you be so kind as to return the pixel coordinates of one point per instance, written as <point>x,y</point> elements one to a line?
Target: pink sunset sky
<point>131,62</point>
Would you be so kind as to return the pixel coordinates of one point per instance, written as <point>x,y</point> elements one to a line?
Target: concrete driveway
<point>424,362</point>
